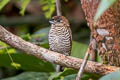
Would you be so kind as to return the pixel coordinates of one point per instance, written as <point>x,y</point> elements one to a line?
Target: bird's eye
<point>58,20</point>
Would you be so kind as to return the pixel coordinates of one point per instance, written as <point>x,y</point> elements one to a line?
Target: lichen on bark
<point>106,31</point>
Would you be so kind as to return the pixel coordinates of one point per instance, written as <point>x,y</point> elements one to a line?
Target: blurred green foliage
<point>23,6</point>
<point>111,76</point>
<point>48,7</point>
<point>3,3</point>
<point>30,76</point>
<point>103,6</point>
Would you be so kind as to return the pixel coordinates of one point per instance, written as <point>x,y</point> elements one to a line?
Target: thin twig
<point>58,8</point>
<point>91,50</point>
<point>79,75</point>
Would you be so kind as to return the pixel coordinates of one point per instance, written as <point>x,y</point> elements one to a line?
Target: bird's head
<point>59,20</point>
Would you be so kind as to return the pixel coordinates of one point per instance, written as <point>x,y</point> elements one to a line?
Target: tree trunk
<point>106,31</point>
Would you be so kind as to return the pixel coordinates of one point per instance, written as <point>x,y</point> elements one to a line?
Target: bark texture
<point>106,31</point>
<point>53,57</point>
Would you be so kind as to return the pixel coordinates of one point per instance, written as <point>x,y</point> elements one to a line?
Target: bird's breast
<point>59,39</point>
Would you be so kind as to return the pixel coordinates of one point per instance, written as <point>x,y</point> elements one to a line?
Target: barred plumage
<point>60,35</point>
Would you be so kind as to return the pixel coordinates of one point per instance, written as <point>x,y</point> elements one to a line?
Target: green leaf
<point>11,50</point>
<point>3,3</point>
<point>2,44</point>
<point>45,8</point>
<point>103,6</point>
<point>30,76</point>
<point>66,72</point>
<point>70,74</point>
<point>5,46</point>
<point>26,37</point>
<point>23,6</point>
<point>78,49</point>
<point>111,76</point>
<point>48,7</point>
<point>71,77</point>
<point>26,62</point>
<point>54,75</point>
<point>66,0</point>
<point>16,65</point>
<point>43,2</point>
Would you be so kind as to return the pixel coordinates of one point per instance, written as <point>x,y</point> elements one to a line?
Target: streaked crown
<point>59,19</point>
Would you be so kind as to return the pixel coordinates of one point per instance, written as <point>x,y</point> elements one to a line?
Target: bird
<point>60,37</point>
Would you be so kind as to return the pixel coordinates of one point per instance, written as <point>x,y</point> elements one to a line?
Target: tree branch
<point>53,57</point>
<point>58,8</point>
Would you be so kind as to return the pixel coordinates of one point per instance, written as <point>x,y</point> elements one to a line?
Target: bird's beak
<point>51,21</point>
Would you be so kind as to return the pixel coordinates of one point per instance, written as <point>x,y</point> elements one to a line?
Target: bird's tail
<point>59,68</point>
